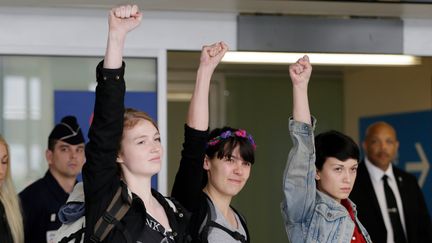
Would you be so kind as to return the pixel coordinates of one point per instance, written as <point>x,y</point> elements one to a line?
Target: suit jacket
<point>417,220</point>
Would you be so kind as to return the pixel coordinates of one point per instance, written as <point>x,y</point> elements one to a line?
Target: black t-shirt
<point>139,226</point>
<point>157,231</point>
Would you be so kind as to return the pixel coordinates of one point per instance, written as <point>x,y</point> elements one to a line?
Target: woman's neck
<point>141,186</point>
<point>222,202</point>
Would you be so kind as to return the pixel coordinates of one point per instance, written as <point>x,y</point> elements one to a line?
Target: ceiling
<point>372,8</point>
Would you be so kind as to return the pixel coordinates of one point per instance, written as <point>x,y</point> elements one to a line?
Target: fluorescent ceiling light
<point>179,97</point>
<point>320,58</point>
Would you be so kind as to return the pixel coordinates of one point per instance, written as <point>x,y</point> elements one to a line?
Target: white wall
<point>54,30</point>
<point>418,37</point>
<point>69,31</point>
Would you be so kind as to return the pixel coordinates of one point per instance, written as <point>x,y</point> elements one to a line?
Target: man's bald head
<point>381,144</point>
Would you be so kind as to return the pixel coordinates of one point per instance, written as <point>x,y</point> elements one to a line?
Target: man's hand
<point>300,71</point>
<point>213,54</point>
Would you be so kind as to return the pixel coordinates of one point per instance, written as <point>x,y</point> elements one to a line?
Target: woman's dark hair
<point>334,144</point>
<point>223,141</point>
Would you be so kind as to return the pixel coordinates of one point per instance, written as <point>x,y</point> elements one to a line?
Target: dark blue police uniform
<point>41,202</point>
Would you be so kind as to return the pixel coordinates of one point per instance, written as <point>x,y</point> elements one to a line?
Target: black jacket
<point>5,233</point>
<point>101,172</point>
<point>417,220</point>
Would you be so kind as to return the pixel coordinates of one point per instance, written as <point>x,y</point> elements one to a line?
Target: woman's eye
<point>247,163</point>
<point>158,140</point>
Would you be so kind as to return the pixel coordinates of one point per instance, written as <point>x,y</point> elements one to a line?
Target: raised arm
<point>300,73</point>
<point>121,20</point>
<point>198,115</point>
<point>100,172</point>
<point>188,182</point>
<point>107,126</point>
<point>299,180</point>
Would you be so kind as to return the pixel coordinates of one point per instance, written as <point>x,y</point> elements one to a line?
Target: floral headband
<point>227,134</point>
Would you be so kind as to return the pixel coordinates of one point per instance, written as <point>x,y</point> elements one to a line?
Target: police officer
<point>42,200</point>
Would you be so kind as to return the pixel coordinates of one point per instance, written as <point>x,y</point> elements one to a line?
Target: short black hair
<point>335,144</point>
<point>51,143</point>
<point>225,147</point>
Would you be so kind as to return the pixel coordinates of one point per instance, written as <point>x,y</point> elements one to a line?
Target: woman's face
<point>336,178</point>
<point>228,175</point>
<point>3,163</point>
<point>141,150</point>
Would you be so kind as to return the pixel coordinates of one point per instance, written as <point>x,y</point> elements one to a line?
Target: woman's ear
<point>206,164</point>
<point>120,158</point>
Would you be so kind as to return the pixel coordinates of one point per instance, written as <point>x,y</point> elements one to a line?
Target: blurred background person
<point>11,224</point>
<point>389,200</point>
<point>42,200</point>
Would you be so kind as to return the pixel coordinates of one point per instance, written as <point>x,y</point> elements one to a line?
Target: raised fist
<point>125,18</point>
<point>213,54</point>
<point>300,71</point>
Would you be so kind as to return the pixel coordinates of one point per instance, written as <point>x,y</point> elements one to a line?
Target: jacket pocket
<point>326,224</point>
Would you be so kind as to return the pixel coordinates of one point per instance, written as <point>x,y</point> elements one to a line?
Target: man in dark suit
<point>389,201</point>
<point>42,200</point>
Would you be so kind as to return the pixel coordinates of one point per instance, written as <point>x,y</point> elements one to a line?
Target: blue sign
<point>414,132</point>
<point>81,104</point>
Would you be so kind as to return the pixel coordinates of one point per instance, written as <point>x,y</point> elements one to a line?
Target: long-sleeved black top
<point>101,174</point>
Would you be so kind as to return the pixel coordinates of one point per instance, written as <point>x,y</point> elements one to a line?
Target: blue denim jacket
<point>310,215</point>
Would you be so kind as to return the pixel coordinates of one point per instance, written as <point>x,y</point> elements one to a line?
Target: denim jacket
<point>310,215</point>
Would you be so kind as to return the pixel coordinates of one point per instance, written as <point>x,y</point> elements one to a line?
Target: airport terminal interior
<point>49,51</point>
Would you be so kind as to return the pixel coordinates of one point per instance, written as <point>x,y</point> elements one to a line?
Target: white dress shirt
<point>376,175</point>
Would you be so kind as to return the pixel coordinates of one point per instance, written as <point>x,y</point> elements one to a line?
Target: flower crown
<point>227,134</point>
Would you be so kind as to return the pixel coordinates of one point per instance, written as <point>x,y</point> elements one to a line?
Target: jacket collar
<point>332,209</point>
